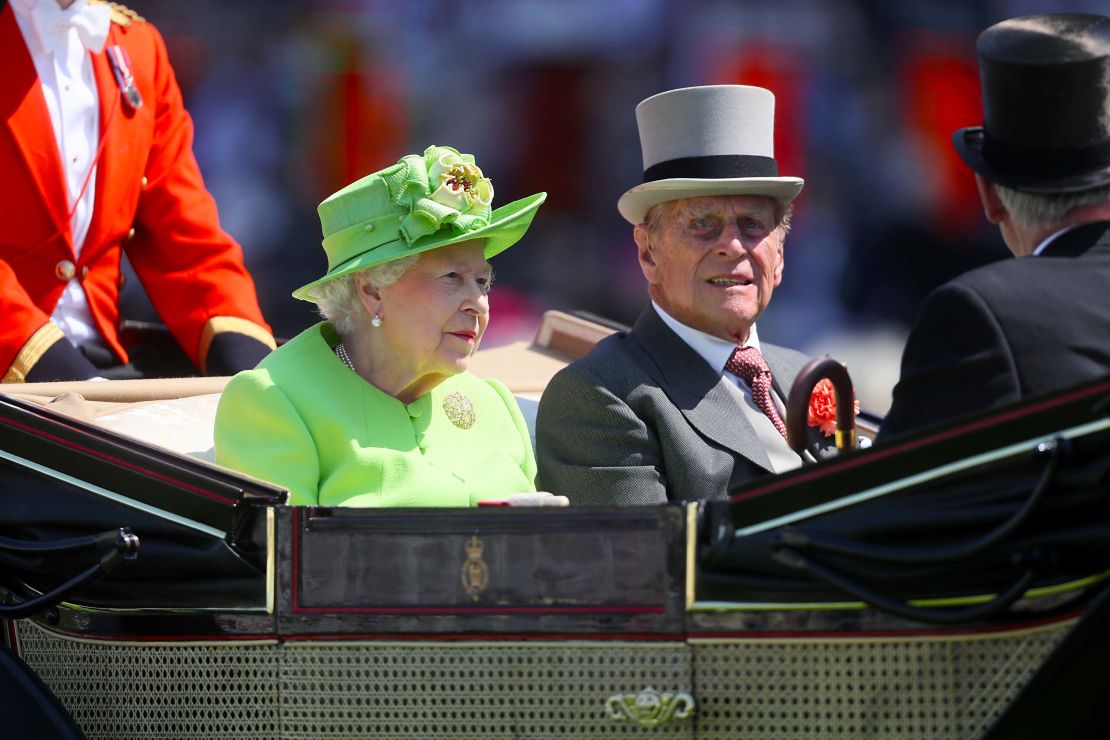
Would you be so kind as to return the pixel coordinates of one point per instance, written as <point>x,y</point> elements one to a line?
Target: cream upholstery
<point>180,424</point>
<point>184,425</point>
<point>178,413</point>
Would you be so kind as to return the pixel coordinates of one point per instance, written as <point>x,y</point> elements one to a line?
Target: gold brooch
<point>459,410</point>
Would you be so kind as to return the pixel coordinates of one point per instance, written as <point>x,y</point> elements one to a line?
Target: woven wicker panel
<point>754,688</point>
<point>178,691</point>
<point>889,689</point>
<point>466,690</point>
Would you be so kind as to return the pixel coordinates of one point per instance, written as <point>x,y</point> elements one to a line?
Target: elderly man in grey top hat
<point>689,403</point>
<point>1039,323</point>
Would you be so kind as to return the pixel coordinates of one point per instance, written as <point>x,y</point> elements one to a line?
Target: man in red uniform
<point>96,157</point>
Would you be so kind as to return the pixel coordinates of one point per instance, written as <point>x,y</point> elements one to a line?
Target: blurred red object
<point>940,93</point>
<point>513,316</point>
<point>777,67</point>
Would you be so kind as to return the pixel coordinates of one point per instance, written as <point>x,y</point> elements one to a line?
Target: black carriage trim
<point>980,434</point>
<point>107,463</point>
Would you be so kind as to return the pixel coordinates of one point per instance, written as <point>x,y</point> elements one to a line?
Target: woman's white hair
<point>338,302</point>
<point>1036,209</point>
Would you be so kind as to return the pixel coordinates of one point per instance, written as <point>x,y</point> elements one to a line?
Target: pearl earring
<point>376,321</point>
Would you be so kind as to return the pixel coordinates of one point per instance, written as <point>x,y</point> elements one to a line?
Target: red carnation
<point>822,407</point>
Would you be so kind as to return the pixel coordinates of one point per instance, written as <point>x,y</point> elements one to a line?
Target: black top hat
<point>1046,104</point>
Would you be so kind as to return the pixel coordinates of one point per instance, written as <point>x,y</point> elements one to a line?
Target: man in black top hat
<point>1039,323</point>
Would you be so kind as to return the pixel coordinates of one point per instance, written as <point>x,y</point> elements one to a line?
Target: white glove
<point>542,498</point>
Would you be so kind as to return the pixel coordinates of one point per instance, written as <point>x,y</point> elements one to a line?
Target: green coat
<point>304,421</point>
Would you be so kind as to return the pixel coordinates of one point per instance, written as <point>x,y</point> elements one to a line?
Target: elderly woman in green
<point>374,406</point>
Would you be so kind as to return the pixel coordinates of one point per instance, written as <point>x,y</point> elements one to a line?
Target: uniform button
<point>85,271</point>
<point>144,182</point>
<point>131,234</point>
<point>414,411</point>
<point>64,270</point>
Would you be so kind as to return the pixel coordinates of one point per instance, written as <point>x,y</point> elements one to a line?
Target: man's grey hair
<point>1048,209</point>
<point>653,219</point>
<point>337,300</point>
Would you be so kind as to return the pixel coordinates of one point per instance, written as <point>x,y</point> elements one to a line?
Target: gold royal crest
<point>475,573</point>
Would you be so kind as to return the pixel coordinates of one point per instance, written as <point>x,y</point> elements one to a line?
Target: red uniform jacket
<point>150,201</point>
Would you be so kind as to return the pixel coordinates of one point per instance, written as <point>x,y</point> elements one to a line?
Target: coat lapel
<point>784,369</point>
<point>24,108</point>
<point>694,388</point>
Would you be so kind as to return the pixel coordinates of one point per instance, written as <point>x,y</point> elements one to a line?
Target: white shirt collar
<point>1053,237</point>
<point>712,349</point>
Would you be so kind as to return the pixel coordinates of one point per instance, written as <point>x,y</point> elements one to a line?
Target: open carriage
<point>910,590</point>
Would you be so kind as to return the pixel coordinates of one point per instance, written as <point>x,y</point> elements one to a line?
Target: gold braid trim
<point>33,350</point>
<point>121,14</point>
<point>221,324</point>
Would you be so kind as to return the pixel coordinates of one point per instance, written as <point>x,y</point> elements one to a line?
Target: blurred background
<point>293,100</point>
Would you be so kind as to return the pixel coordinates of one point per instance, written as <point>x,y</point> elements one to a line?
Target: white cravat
<point>60,42</point>
<point>52,24</point>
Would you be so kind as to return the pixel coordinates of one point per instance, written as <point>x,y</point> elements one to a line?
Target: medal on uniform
<point>121,68</point>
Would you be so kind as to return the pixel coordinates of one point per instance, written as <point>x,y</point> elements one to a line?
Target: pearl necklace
<point>341,353</point>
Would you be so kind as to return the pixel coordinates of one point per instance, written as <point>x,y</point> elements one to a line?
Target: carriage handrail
<point>933,615</point>
<point>1055,450</point>
<point>124,547</point>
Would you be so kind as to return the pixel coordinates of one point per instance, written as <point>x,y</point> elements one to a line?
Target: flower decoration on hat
<point>443,188</point>
<point>459,183</point>
<point>822,407</point>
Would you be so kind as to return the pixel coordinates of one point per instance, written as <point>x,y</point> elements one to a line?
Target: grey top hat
<point>1046,104</point>
<point>712,140</point>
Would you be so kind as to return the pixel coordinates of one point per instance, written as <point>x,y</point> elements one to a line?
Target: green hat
<point>420,203</point>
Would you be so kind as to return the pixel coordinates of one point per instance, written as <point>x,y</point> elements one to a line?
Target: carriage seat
<point>178,413</point>
<point>184,425</point>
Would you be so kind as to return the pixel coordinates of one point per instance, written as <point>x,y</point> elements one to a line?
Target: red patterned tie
<point>748,363</point>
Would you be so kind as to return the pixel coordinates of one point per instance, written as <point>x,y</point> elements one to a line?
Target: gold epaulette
<point>121,14</point>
